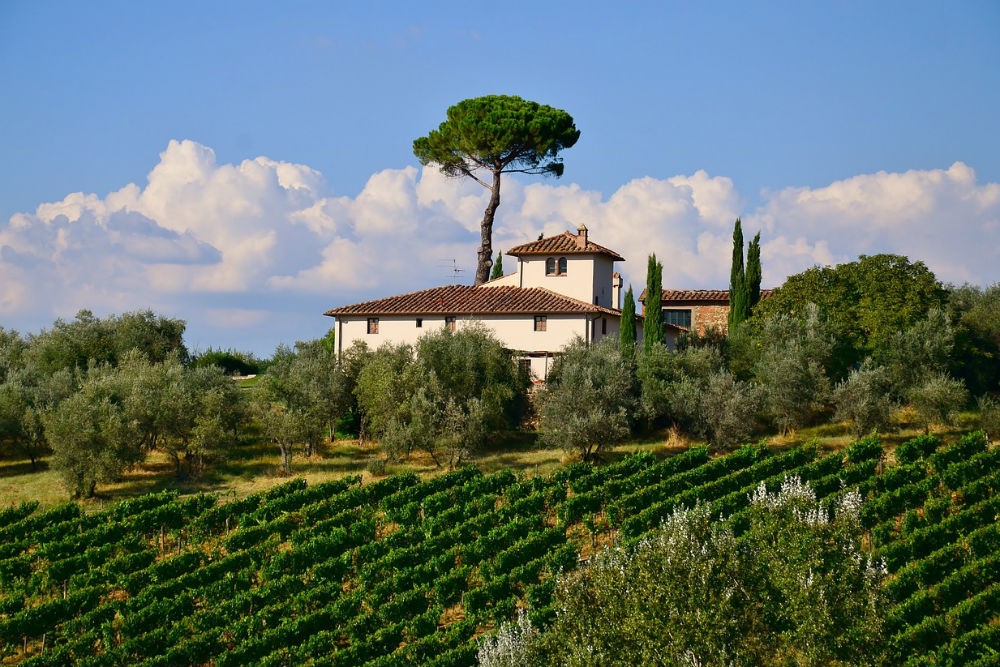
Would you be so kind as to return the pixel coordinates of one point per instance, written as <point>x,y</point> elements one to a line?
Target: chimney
<point>616,290</point>
<point>581,237</point>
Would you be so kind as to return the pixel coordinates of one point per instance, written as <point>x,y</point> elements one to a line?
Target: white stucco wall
<point>509,280</point>
<point>514,331</point>
<point>586,277</point>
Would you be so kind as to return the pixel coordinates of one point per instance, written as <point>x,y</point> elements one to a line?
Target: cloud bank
<point>250,254</point>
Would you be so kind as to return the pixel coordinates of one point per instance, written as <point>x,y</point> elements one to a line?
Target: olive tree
<point>795,353</point>
<point>89,339</point>
<point>299,398</point>
<point>446,397</point>
<point>864,398</point>
<point>588,402</point>
<point>25,396</point>
<point>938,399</point>
<point>92,436</point>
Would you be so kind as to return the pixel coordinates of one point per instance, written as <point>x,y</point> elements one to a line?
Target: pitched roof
<point>468,300</point>
<point>563,244</point>
<point>719,296</point>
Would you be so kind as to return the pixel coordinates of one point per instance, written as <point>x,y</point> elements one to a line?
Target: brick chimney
<point>581,237</point>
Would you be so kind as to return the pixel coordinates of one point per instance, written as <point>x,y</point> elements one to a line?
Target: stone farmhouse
<point>564,286</point>
<point>698,310</point>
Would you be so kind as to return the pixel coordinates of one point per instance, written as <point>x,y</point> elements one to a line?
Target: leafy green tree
<point>792,367</point>
<point>864,398</point>
<point>916,353</point>
<point>975,316</point>
<point>754,273</point>
<point>233,362</point>
<point>12,350</point>
<point>797,588</point>
<point>739,303</point>
<point>91,340</point>
<point>867,301</point>
<point>352,360</point>
<point>497,134</point>
<point>671,384</point>
<point>627,332</point>
<point>588,400</point>
<point>497,267</point>
<point>92,436</point>
<point>447,396</point>
<point>652,312</point>
<point>473,364</point>
<point>25,396</point>
<point>989,417</point>
<point>385,382</point>
<point>195,415</point>
<point>727,409</point>
<point>938,399</point>
<point>299,398</point>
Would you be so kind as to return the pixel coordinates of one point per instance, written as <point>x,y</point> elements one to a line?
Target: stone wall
<point>710,316</point>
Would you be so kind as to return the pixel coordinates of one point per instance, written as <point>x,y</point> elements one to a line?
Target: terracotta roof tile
<point>720,296</point>
<point>562,244</point>
<point>468,300</point>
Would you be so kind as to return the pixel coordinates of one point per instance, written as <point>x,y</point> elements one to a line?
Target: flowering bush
<point>795,589</point>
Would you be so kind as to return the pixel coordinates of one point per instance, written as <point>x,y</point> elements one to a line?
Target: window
<point>525,366</point>
<point>604,326</point>
<point>541,323</point>
<point>555,267</point>
<point>450,322</point>
<point>420,322</point>
<point>680,318</point>
<point>373,325</point>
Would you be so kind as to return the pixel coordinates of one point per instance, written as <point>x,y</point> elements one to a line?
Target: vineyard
<point>404,572</point>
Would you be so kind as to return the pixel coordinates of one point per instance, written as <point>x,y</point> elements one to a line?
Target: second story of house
<point>569,264</point>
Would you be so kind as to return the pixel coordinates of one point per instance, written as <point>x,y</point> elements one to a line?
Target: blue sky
<point>280,139</point>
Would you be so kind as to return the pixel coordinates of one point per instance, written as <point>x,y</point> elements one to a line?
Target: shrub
<point>938,400</point>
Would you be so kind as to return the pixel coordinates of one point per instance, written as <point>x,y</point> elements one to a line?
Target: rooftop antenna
<point>452,266</point>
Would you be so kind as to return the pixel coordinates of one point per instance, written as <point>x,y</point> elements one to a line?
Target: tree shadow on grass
<point>18,467</point>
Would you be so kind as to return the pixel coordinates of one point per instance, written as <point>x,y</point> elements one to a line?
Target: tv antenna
<point>452,266</point>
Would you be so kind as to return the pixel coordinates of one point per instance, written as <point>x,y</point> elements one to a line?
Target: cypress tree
<point>753,273</point>
<point>652,328</point>
<point>497,267</point>
<point>626,334</point>
<point>738,296</point>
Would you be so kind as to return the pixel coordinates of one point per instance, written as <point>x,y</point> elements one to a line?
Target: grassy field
<point>255,467</point>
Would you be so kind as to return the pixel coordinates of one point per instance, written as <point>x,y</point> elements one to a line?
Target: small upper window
<point>420,322</point>
<point>450,322</point>
<point>373,325</point>
<point>550,266</point>
<point>562,266</point>
<point>541,323</point>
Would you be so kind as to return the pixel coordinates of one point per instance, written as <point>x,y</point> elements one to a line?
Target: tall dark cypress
<point>738,295</point>
<point>652,325</point>
<point>497,267</point>
<point>626,334</point>
<point>753,273</point>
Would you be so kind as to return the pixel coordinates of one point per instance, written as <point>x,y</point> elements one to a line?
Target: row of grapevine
<point>408,572</point>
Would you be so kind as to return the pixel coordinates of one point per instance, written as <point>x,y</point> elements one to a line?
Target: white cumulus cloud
<point>252,253</point>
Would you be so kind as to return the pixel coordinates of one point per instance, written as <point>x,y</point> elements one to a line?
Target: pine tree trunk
<point>486,228</point>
